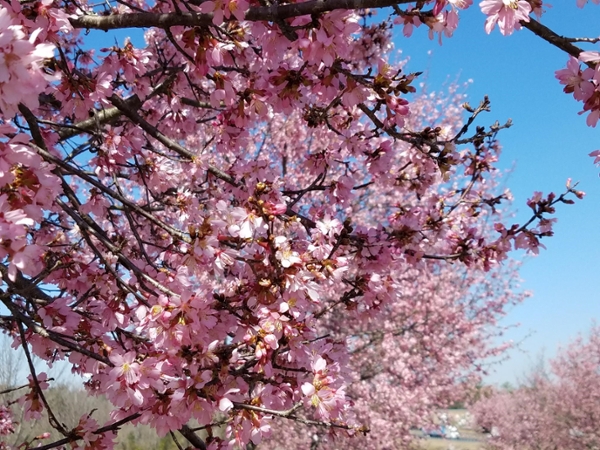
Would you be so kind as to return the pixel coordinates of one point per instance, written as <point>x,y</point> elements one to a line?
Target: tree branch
<point>112,427</point>
<point>134,116</point>
<point>272,13</point>
<point>192,437</point>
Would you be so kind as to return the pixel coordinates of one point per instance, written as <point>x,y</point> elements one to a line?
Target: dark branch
<point>192,437</point>
<point>272,13</point>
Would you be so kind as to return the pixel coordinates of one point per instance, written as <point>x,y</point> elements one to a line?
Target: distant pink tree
<point>6,421</point>
<point>421,349</point>
<point>558,410</point>
<point>414,355</point>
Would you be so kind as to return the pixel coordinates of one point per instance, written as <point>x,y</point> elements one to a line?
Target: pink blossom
<point>575,80</point>
<point>286,255</point>
<point>7,425</point>
<point>126,368</point>
<point>20,62</point>
<point>224,9</point>
<point>410,22</point>
<point>507,13</point>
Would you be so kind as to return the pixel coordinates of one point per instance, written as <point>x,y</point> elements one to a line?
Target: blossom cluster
<point>6,421</point>
<point>558,409</point>
<point>22,56</point>
<point>27,188</point>
<point>584,84</point>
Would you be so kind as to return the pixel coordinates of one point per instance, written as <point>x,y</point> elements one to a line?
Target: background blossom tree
<point>209,228</point>
<point>552,410</point>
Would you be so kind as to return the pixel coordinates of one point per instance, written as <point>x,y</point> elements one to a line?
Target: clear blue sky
<point>548,143</point>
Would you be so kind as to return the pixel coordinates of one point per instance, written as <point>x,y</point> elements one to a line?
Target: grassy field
<point>449,444</point>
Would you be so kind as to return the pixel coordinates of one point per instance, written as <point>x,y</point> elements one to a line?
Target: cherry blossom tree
<point>418,353</point>
<point>235,223</point>
<point>555,410</point>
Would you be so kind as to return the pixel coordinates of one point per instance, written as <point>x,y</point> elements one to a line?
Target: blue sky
<point>548,143</point>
